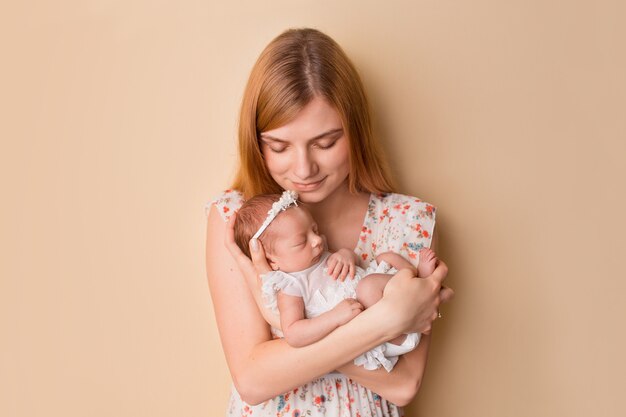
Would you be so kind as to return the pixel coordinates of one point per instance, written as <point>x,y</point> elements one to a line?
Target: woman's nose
<point>305,166</point>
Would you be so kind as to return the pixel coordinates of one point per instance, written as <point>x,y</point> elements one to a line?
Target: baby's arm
<point>300,331</point>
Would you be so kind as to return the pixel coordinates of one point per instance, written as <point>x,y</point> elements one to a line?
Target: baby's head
<point>291,240</point>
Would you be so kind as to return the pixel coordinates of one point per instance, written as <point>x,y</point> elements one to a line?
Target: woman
<point>305,126</point>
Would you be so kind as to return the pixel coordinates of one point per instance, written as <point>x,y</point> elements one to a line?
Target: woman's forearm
<point>401,384</point>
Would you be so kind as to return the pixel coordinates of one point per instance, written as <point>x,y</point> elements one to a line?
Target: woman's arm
<point>300,331</point>
<point>262,368</point>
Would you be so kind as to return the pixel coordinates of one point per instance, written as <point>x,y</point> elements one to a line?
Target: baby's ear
<point>274,266</point>
<point>272,263</point>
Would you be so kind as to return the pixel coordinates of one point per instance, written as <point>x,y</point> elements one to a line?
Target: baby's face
<point>297,244</point>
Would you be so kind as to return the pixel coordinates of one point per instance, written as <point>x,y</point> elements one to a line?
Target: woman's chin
<point>311,198</point>
<point>328,187</point>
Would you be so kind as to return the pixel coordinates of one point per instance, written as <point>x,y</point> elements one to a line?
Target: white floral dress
<point>393,222</point>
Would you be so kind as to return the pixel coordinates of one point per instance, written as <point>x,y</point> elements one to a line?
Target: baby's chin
<point>317,258</point>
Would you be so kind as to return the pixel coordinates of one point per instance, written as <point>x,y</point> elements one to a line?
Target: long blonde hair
<point>295,67</point>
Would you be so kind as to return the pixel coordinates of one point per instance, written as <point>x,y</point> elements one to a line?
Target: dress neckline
<point>366,219</point>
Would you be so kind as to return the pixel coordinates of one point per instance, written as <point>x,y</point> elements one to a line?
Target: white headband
<point>286,200</point>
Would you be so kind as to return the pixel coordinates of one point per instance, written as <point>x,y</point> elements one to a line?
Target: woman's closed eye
<point>277,149</point>
<point>326,143</point>
<point>273,145</point>
<point>320,145</point>
<point>328,146</point>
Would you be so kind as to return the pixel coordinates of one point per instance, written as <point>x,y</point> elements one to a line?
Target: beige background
<point>117,121</point>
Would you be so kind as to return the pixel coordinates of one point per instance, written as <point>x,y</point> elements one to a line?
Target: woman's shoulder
<point>399,223</point>
<point>401,204</point>
<point>226,203</point>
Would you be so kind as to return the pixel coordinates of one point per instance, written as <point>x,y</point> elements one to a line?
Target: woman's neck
<point>334,204</point>
<point>340,216</point>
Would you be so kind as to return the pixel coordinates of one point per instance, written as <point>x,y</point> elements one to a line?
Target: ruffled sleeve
<point>275,281</point>
<point>226,203</point>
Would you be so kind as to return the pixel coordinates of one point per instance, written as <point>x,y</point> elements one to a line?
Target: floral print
<point>396,223</point>
<point>393,222</point>
<point>333,395</point>
<point>227,203</point>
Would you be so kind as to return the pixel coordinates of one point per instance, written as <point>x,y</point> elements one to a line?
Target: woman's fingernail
<point>254,245</point>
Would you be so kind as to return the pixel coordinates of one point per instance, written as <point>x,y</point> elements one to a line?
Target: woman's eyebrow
<point>320,136</point>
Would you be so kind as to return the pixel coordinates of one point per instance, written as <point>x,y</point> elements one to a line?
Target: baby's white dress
<point>320,293</point>
<point>393,223</point>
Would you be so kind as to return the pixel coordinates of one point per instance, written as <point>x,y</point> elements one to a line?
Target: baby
<point>307,285</point>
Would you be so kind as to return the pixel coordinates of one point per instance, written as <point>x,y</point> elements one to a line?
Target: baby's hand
<point>346,310</point>
<point>341,263</point>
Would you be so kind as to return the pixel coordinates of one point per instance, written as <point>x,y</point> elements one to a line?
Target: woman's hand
<point>402,295</point>
<point>258,265</point>
<point>251,269</point>
<point>414,303</point>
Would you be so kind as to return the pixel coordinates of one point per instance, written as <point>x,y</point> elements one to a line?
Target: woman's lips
<point>310,186</point>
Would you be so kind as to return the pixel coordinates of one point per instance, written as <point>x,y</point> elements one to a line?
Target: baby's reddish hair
<point>249,219</point>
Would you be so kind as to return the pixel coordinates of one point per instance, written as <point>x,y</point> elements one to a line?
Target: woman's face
<point>309,154</point>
